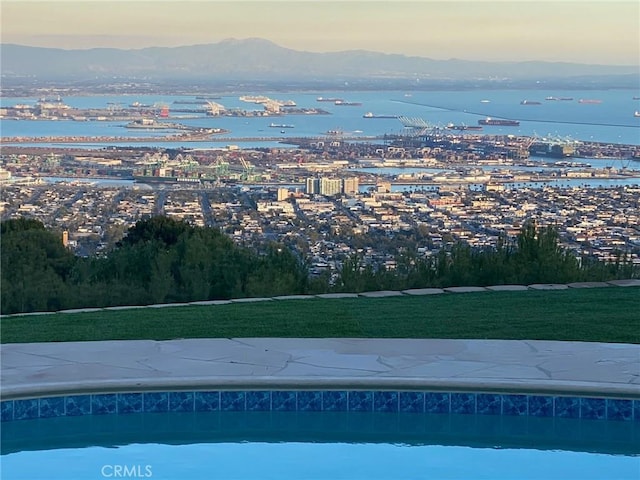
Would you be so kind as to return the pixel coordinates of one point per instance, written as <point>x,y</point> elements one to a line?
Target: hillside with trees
<point>162,260</point>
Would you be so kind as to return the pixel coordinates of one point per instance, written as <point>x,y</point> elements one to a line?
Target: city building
<point>383,186</point>
<point>351,186</point>
<point>312,186</point>
<point>330,186</point>
<point>283,194</point>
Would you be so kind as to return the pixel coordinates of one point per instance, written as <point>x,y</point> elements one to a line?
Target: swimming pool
<point>320,435</point>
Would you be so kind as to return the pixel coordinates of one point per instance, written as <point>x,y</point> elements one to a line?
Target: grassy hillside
<point>597,315</point>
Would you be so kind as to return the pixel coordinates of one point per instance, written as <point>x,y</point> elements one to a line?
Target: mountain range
<point>259,59</point>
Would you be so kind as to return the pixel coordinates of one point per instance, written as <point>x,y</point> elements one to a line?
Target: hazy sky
<point>605,32</point>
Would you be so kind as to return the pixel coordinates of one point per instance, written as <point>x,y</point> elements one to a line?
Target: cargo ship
<point>328,99</point>
<point>372,115</point>
<point>164,179</point>
<point>281,125</point>
<point>499,122</point>
<point>347,104</point>
<point>154,179</point>
<point>553,150</point>
<point>151,124</point>
<point>254,98</point>
<point>529,102</point>
<point>589,100</point>
<point>461,128</point>
<point>139,105</point>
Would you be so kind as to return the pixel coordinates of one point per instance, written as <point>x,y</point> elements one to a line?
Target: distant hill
<point>258,59</point>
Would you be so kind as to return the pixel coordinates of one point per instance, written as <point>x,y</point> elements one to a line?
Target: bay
<point>610,121</point>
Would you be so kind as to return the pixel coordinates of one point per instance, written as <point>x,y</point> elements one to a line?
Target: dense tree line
<point>534,257</point>
<point>162,260</point>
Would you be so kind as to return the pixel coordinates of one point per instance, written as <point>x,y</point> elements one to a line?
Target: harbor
<point>385,168</point>
<point>611,121</point>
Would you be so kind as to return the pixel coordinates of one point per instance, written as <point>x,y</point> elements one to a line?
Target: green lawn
<point>597,315</point>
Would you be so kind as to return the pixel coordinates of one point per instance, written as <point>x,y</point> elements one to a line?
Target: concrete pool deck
<point>529,366</point>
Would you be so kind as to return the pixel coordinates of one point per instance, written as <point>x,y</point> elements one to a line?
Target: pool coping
<point>498,366</point>
<point>301,383</point>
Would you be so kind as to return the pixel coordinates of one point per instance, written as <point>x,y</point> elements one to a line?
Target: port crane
<point>247,169</point>
<point>413,122</point>
<point>215,109</point>
<point>417,127</point>
<point>114,107</point>
<point>221,166</point>
<point>186,162</point>
<point>52,160</point>
<point>155,159</point>
<point>219,169</point>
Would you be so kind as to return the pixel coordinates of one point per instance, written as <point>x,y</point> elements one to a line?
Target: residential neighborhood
<point>325,229</point>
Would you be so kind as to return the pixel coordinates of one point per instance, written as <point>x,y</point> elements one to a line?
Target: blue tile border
<point>360,401</point>
<point>412,402</point>
<point>283,401</point>
<point>7,411</point>
<point>620,409</point>
<point>156,402</point>
<point>437,402</point>
<point>182,402</point>
<point>463,403</point>
<point>130,403</point>
<point>258,401</point>
<point>52,407</point>
<point>593,408</point>
<point>26,409</point>
<point>309,401</point>
<point>104,404</point>
<point>488,404</point>
<point>234,401</point>
<point>334,401</point>
<point>384,401</point>
<point>76,405</point>
<point>203,402</point>
<point>540,406</point>
<point>567,407</point>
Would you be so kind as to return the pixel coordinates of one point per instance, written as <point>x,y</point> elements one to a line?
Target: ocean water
<point>611,121</point>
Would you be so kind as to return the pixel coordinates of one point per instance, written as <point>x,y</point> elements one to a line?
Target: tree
<point>357,276</point>
<point>35,266</point>
<point>20,225</point>
<point>165,230</point>
<point>277,272</point>
<point>541,259</point>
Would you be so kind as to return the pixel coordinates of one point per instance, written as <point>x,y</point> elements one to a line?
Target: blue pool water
<point>319,445</point>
